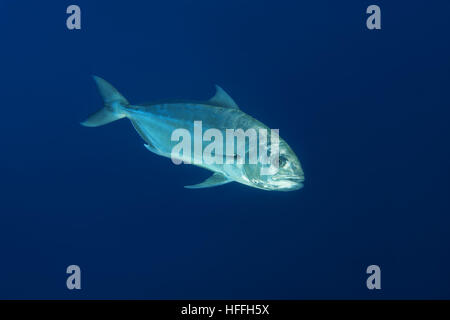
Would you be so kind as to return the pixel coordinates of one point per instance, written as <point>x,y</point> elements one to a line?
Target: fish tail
<point>113,105</point>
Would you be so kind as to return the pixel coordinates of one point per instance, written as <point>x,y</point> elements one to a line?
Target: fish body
<point>156,124</point>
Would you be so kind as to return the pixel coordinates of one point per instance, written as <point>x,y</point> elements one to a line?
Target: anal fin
<point>152,148</point>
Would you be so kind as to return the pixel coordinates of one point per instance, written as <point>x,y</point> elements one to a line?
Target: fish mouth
<point>297,179</point>
<point>288,183</point>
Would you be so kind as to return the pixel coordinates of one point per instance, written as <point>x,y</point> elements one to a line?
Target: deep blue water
<point>367,112</point>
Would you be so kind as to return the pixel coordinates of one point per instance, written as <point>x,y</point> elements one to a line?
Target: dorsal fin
<point>222,99</point>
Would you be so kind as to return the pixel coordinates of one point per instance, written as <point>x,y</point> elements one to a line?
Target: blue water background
<point>367,112</point>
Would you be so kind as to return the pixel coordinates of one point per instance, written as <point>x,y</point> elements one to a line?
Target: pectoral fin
<point>217,179</point>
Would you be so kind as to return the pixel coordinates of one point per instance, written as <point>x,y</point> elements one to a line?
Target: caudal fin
<point>113,102</point>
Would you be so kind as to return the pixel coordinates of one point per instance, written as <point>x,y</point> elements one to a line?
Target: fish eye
<point>282,161</point>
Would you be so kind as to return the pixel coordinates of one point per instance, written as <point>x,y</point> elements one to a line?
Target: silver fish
<point>156,123</point>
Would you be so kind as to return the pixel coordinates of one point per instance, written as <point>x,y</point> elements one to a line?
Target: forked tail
<point>113,101</point>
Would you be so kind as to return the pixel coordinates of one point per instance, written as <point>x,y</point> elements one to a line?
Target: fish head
<point>281,173</point>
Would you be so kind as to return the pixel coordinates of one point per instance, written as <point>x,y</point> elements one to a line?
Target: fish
<point>156,123</point>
